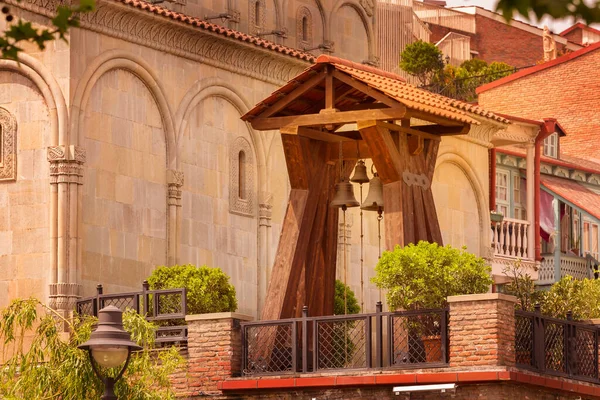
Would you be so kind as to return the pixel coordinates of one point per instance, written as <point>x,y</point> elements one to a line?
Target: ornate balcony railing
<point>166,307</point>
<point>316,344</point>
<point>556,346</point>
<point>577,267</point>
<point>510,239</point>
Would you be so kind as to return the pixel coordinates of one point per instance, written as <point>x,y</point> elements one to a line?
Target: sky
<point>555,26</point>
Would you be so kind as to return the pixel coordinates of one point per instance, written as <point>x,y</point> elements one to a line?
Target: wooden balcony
<point>577,267</point>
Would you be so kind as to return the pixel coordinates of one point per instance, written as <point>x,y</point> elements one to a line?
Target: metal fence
<point>556,346</point>
<point>166,307</point>
<point>414,339</point>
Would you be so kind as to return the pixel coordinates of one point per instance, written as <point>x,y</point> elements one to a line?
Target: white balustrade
<point>577,267</point>
<point>510,238</point>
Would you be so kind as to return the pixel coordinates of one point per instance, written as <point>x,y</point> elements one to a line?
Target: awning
<point>574,193</point>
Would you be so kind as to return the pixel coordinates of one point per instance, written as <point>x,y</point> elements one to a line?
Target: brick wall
<point>482,330</point>
<point>575,36</point>
<point>568,91</point>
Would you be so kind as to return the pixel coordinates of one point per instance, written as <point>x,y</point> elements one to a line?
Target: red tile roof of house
<point>579,25</point>
<point>573,192</point>
<point>230,33</point>
<point>528,71</point>
<point>391,85</point>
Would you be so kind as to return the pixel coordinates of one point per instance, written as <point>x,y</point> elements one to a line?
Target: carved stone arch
<point>34,70</point>
<point>362,8</point>
<point>118,59</point>
<point>8,146</point>
<point>241,175</point>
<point>304,28</point>
<point>467,169</point>
<point>215,87</point>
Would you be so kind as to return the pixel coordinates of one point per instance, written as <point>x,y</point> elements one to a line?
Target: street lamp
<point>109,346</point>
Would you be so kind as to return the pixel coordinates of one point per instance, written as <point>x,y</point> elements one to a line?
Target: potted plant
<point>496,216</point>
<point>422,276</point>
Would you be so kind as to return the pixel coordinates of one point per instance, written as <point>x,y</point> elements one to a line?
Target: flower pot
<point>433,348</point>
<point>496,217</point>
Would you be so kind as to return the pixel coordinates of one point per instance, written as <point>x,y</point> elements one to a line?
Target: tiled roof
<point>391,85</point>
<point>573,192</point>
<point>528,71</point>
<point>230,33</point>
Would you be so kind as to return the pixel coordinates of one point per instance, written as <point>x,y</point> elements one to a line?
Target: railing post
<point>98,304</point>
<point>305,339</point>
<point>539,348</point>
<point>571,354</point>
<point>294,346</point>
<point>184,300</point>
<point>145,288</point>
<point>369,342</point>
<point>378,336</point>
<point>244,347</point>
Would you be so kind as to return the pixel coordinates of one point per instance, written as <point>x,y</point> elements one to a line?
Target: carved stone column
<point>264,245</point>
<point>174,182</point>
<point>66,175</point>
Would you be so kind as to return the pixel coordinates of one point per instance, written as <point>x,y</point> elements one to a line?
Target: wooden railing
<point>577,267</point>
<point>510,238</point>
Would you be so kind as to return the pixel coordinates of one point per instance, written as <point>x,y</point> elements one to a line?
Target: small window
<point>551,146</point>
<point>304,28</point>
<point>257,13</point>
<point>242,175</point>
<point>502,192</point>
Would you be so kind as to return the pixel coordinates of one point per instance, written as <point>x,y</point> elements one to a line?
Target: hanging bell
<point>344,195</point>
<point>374,200</point>
<point>360,173</point>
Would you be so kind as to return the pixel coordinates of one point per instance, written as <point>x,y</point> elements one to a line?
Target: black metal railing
<point>415,339</point>
<point>556,346</point>
<point>166,307</point>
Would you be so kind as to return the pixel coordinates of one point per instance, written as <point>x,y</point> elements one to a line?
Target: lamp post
<point>109,346</point>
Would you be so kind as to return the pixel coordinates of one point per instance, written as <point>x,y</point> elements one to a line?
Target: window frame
<point>551,145</point>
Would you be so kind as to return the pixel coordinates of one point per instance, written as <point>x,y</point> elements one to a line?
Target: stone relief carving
<point>180,39</point>
<point>66,164</point>
<point>549,45</point>
<point>238,205</point>
<point>8,146</point>
<point>174,182</point>
<point>304,31</point>
<point>256,25</point>
<point>369,6</point>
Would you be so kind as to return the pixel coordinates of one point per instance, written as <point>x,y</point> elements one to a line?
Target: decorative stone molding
<point>180,39</point>
<point>304,39</point>
<point>63,296</point>
<point>8,146</point>
<point>243,205</point>
<point>369,6</point>
<point>66,164</point>
<point>175,182</point>
<point>265,211</point>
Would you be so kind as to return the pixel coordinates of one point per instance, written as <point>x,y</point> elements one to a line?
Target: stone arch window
<point>8,146</point>
<point>241,178</point>
<point>257,16</point>
<point>304,29</point>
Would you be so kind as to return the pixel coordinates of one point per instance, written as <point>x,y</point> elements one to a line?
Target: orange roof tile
<point>573,192</point>
<point>230,33</point>
<point>391,85</point>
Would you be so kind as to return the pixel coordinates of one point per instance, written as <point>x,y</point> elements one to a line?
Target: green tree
<point>589,11</point>
<point>345,301</point>
<point>208,289</point>
<point>20,32</point>
<point>422,60</point>
<point>52,367</point>
<point>580,296</point>
<point>424,275</point>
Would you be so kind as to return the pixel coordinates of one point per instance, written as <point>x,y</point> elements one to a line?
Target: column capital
<point>175,181</point>
<point>66,164</point>
<point>63,296</point>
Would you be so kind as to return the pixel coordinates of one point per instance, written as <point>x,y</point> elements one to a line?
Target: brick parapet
<point>482,330</point>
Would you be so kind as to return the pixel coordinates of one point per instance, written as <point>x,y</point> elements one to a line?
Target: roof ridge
<point>218,29</point>
<point>327,59</point>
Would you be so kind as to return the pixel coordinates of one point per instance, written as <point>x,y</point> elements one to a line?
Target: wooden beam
<point>315,134</point>
<point>444,130</point>
<point>350,151</point>
<point>342,117</point>
<point>410,131</point>
<point>416,144</point>
<point>384,152</point>
<point>363,106</point>
<point>329,90</point>
<point>366,89</point>
<point>293,95</point>
<point>433,118</point>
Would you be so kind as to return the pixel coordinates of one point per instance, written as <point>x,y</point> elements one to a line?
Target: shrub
<point>208,289</point>
<point>424,275</point>
<point>581,297</point>
<point>352,306</point>
<point>422,60</point>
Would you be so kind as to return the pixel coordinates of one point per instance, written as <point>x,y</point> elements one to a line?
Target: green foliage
<point>422,60</point>
<point>581,297</point>
<point>53,366</point>
<point>587,11</point>
<point>208,289</point>
<point>522,287</point>
<point>343,291</point>
<point>424,275</point>
<point>22,32</point>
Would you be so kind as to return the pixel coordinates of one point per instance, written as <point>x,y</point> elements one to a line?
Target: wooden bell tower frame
<point>336,101</point>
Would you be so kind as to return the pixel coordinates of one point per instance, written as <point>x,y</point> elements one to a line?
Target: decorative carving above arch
<point>256,16</point>
<point>304,28</point>
<point>242,194</point>
<point>8,146</point>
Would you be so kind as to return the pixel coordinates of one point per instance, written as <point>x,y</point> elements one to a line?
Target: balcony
<point>510,239</point>
<point>577,267</point>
